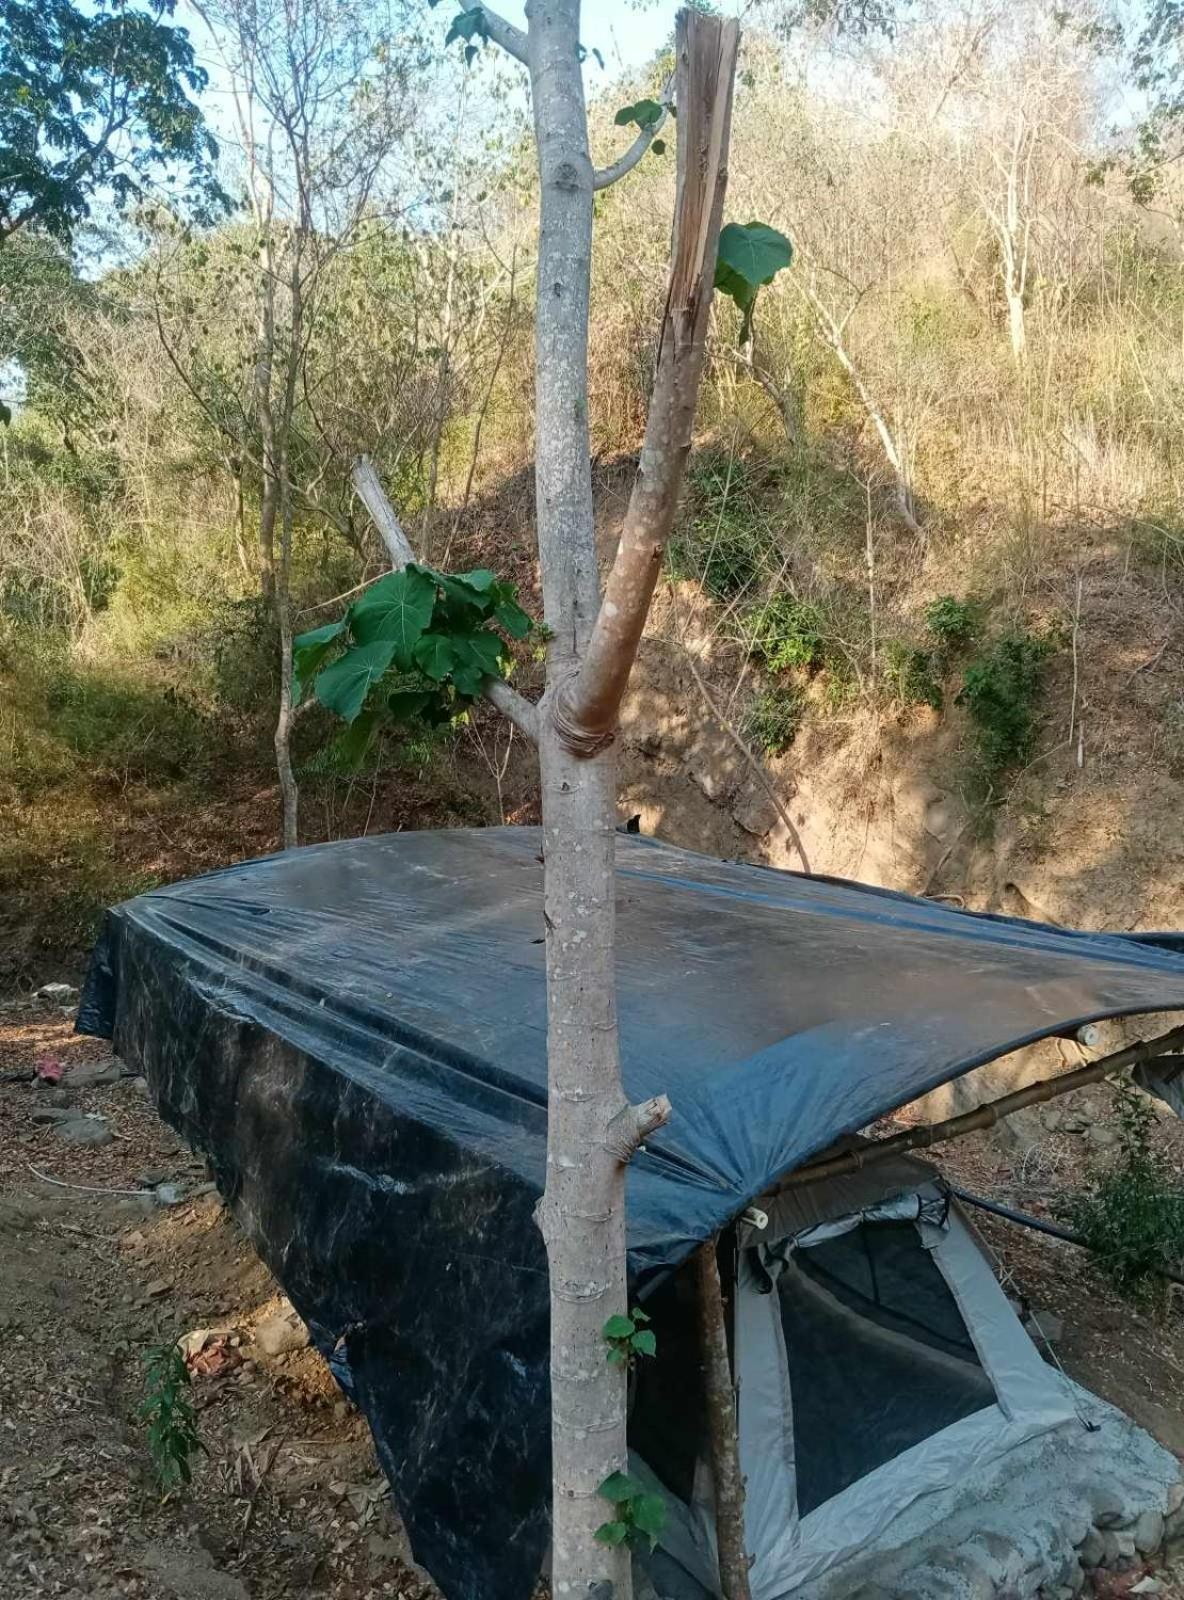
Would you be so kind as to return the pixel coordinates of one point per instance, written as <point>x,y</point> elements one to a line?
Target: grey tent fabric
<point>878,1361</point>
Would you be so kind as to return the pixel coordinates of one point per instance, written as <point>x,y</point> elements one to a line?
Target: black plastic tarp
<point>355,1034</point>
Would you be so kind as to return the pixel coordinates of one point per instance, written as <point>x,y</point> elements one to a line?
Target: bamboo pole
<point>721,1429</point>
<point>984,1116</point>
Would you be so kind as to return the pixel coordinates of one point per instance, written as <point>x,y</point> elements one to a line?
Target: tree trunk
<point>720,1393</point>
<point>592,1130</point>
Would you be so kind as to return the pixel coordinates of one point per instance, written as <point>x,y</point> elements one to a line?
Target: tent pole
<point>723,1440</point>
<point>984,1116</point>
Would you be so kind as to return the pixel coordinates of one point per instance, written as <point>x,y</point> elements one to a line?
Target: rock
<point>281,1334</point>
<point>84,1130</point>
<point>713,779</point>
<point>1074,1122</point>
<point>1051,1118</point>
<point>755,811</point>
<point>1148,1532</point>
<point>1147,1585</point>
<point>96,1074</point>
<point>169,1194</point>
<point>1091,1549</point>
<point>1175,1498</point>
<point>54,1114</point>
<point>1118,1549</point>
<point>1101,1135</point>
<point>140,1085</point>
<point>59,993</point>
<point>157,1287</point>
<point>1110,1511</point>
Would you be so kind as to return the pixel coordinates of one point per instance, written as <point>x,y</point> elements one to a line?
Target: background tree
<point>97,102</point>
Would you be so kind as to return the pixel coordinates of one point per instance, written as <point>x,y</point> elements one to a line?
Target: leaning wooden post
<point>723,1440</point>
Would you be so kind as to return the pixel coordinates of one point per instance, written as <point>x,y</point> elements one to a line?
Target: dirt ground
<point>287,1499</point>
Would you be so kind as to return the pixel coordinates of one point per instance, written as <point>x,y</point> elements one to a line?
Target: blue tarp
<point>355,1034</point>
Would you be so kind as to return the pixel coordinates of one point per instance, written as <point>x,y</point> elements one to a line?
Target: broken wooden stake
<point>723,1439</point>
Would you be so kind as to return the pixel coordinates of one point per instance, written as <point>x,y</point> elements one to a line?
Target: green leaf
<point>308,652</point>
<point>467,25</point>
<point>644,113</point>
<point>475,657</point>
<point>399,608</point>
<point>434,654</point>
<point>752,251</point>
<point>750,254</point>
<point>612,1532</point>
<point>510,615</point>
<point>407,703</point>
<point>619,1487</point>
<point>617,1357</point>
<point>645,1342</point>
<point>5,414</point>
<point>357,738</point>
<point>639,1315</point>
<point>618,1327</point>
<point>344,684</point>
<point>649,1514</point>
<point>658,147</point>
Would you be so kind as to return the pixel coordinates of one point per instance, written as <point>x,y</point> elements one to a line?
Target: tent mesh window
<point>667,1421</point>
<point>879,1356</point>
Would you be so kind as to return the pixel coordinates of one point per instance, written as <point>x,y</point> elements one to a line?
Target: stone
<point>169,1194</point>
<point>157,1287</point>
<point>53,1114</point>
<point>84,1130</point>
<point>1101,1135</point>
<point>1091,1549</point>
<point>1147,1585</point>
<point>95,1074</point>
<point>714,779</point>
<point>1110,1511</point>
<point>1175,1498</point>
<point>1118,1549</point>
<point>1148,1532</point>
<point>1051,1118</point>
<point>59,993</point>
<point>281,1334</point>
<point>755,811</point>
<point>140,1085</point>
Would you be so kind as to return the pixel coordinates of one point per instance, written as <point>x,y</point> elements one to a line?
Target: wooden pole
<point>984,1116</point>
<point>723,1441</point>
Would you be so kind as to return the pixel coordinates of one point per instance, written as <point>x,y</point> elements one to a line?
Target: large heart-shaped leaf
<point>308,652</point>
<point>750,254</point>
<point>476,656</point>
<point>344,684</point>
<point>753,251</point>
<point>399,608</point>
<point>434,655</point>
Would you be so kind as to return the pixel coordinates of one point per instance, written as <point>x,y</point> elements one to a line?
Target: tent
<point>355,1035</point>
<point>876,1358</point>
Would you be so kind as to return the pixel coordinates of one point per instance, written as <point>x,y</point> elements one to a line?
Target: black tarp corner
<point>355,1036</point>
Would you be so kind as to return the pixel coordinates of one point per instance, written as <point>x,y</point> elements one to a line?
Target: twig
<point>81,1188</point>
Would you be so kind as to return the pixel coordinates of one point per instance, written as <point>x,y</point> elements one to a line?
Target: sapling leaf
<point>645,1342</point>
<point>344,684</point>
<point>619,1487</point>
<point>644,113</point>
<point>612,1532</point>
<point>750,254</point>
<point>618,1327</point>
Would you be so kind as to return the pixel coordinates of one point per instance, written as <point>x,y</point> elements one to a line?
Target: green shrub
<point>773,720</point>
<point>1000,690</point>
<point>168,1415</point>
<point>722,543</point>
<point>789,633</point>
<point>1131,1215</point>
<point>952,622</point>
<point>914,674</point>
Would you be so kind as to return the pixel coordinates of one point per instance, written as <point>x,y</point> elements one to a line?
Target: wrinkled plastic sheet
<point>355,1034</point>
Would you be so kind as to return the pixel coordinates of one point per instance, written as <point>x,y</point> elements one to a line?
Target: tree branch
<point>521,712</point>
<point>511,39</point>
<point>632,1126</point>
<point>604,177</point>
<point>586,708</point>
